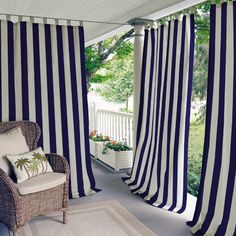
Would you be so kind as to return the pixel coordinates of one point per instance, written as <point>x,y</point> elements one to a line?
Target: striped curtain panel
<point>215,212</point>
<point>42,79</point>
<point>159,172</point>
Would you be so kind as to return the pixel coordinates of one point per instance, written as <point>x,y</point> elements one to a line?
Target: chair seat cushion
<point>41,183</point>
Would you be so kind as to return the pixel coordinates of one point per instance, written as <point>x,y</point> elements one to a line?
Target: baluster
<point>127,129</point>
<point>117,128</point>
<point>131,131</point>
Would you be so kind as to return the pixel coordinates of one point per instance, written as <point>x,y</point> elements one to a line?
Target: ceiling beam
<point>152,16</point>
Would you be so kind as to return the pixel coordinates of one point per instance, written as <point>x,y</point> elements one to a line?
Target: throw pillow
<point>30,164</point>
<point>11,142</point>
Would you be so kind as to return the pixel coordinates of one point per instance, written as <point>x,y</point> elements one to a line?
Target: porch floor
<point>162,222</point>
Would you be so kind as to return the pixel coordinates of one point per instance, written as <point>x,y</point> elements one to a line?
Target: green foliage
<point>120,87</point>
<point>194,173</point>
<point>200,72</point>
<point>202,22</point>
<point>195,150</point>
<point>124,50</point>
<point>99,55</point>
<point>125,110</point>
<point>97,78</point>
<point>92,62</point>
<point>98,137</point>
<point>115,146</point>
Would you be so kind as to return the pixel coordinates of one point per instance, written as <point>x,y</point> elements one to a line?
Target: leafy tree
<point>120,87</point>
<point>202,21</point>
<point>99,55</point>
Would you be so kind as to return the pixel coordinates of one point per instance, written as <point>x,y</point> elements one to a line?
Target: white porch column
<point>138,53</point>
<point>139,25</point>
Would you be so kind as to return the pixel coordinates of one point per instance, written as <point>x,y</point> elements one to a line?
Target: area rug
<point>107,218</point>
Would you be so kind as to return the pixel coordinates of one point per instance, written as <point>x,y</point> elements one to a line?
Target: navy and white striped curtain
<point>42,79</point>
<point>215,212</point>
<point>159,173</point>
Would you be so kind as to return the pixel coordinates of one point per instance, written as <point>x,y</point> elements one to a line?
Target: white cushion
<point>41,183</point>
<point>29,164</point>
<point>11,142</point>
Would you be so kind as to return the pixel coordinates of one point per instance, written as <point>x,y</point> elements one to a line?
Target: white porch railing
<point>117,125</point>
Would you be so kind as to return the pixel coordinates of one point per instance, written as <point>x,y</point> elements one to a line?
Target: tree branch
<point>105,55</point>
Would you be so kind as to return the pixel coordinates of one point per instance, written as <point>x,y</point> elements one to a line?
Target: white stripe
<point>70,121</point>
<point>226,145</point>
<point>4,67</point>
<point>174,112</point>
<point>150,120</point>
<point>17,71</point>
<point>155,81</point>
<point>231,224</point>
<point>153,183</point>
<point>30,59</point>
<point>166,112</point>
<point>56,90</point>
<point>183,116</point>
<point>153,177</point>
<point>86,181</point>
<point>213,130</point>
<point>44,88</point>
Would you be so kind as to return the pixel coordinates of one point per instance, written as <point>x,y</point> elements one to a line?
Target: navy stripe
<point>37,80</point>
<point>153,57</point>
<point>11,68</point>
<point>62,88</point>
<point>232,165</point>
<point>75,109</point>
<point>157,110</point>
<point>188,112</point>
<point>163,107</point>
<point>179,108</point>
<point>51,109</point>
<point>166,171</point>
<point>152,200</point>
<point>144,143</point>
<point>210,87</point>
<point>85,109</point>
<point>170,112</point>
<point>220,125</point>
<point>0,71</point>
<point>24,70</point>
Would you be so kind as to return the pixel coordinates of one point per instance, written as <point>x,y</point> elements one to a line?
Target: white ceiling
<point>119,11</point>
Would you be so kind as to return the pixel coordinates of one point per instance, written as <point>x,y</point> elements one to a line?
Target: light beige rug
<point>107,218</point>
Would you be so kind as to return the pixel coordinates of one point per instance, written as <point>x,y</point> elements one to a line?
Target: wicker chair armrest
<point>9,199</point>
<point>6,183</point>
<point>58,163</point>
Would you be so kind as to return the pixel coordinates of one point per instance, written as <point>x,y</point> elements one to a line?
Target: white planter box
<point>93,148</point>
<point>116,160</point>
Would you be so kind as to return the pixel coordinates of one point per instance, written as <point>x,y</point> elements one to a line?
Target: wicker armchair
<point>15,209</point>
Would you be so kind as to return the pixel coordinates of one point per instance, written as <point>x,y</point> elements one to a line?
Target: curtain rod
<point>64,19</point>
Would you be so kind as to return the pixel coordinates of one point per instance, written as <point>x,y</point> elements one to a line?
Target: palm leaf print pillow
<point>30,164</point>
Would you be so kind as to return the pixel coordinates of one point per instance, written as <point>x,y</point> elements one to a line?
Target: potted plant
<point>94,138</point>
<point>117,155</point>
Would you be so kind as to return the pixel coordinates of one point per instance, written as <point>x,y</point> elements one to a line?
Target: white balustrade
<point>117,125</point>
